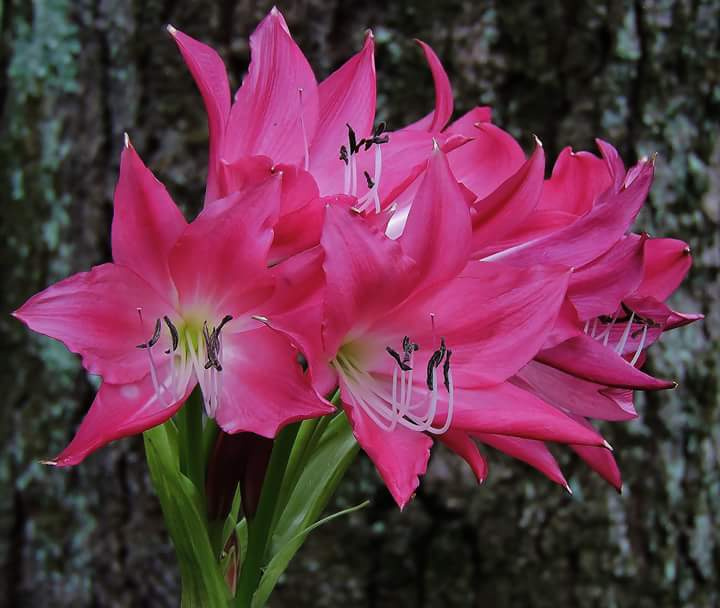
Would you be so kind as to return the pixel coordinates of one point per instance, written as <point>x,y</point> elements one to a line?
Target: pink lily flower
<point>323,134</point>
<point>174,310</point>
<point>637,321</point>
<point>421,343</point>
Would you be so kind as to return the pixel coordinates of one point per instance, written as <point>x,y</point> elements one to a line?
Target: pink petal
<point>95,314</point>
<point>574,394</point>
<point>599,459</point>
<point>505,409</point>
<point>120,410</point>
<point>347,96</point>
<point>592,234</point>
<point>466,124</point>
<point>463,445</point>
<point>587,358</point>
<point>146,223</point>
<point>366,275</point>
<point>493,317</point>
<point>439,215</point>
<point>439,117</point>
<point>502,211</point>
<point>534,453</point>
<point>680,319</point>
<point>614,163</point>
<point>488,160</point>
<point>295,311</point>
<point>243,173</point>
<point>269,111</point>
<point>208,70</point>
<point>667,262</point>
<point>400,456</point>
<point>230,238</point>
<point>598,287</point>
<point>263,385</point>
<point>602,461</point>
<point>578,178</point>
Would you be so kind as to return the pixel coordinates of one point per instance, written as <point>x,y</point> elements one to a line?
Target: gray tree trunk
<point>644,75</point>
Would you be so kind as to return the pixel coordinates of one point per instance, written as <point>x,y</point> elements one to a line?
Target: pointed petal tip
<point>607,445</point>
<point>538,142</point>
<point>126,139</point>
<point>51,463</point>
<point>170,29</point>
<point>568,489</point>
<point>369,35</point>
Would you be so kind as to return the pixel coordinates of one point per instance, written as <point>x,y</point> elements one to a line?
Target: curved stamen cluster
<point>631,319</point>
<point>398,407</point>
<point>193,350</point>
<point>348,154</point>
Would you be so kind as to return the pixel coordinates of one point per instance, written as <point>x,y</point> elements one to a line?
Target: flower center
<point>194,347</point>
<point>610,328</point>
<point>403,402</point>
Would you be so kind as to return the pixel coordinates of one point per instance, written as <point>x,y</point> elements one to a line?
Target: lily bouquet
<point>351,287</point>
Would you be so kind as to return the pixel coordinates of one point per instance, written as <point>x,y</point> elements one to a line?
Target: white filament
<point>623,340</point>
<point>636,356</point>
<point>373,194</point>
<point>304,132</point>
<point>388,411</point>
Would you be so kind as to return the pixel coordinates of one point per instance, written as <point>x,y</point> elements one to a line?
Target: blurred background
<point>75,74</point>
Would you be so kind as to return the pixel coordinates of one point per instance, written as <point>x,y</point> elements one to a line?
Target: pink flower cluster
<point>431,273</point>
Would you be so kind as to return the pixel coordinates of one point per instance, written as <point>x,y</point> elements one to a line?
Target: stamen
<point>156,333</point>
<point>160,389</point>
<point>446,370</point>
<point>173,335</point>
<point>395,355</point>
<point>369,180</point>
<point>636,356</point>
<point>623,340</point>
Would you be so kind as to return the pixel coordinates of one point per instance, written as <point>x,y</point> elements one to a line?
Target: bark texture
<point>75,74</point>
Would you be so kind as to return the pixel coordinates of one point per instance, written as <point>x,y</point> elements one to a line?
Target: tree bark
<point>644,75</point>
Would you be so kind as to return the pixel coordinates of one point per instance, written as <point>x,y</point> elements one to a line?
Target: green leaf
<point>282,558</point>
<point>202,580</point>
<point>316,483</point>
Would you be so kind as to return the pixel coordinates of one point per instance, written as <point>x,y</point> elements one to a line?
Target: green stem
<point>260,527</point>
<point>307,438</point>
<point>190,425</point>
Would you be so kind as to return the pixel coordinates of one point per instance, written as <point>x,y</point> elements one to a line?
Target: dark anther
<point>377,137</point>
<point>173,335</point>
<point>344,155</point>
<point>369,180</point>
<point>395,355</point>
<point>352,140</point>
<point>226,319</point>
<point>434,362</point>
<point>212,343</point>
<point>155,337</point>
<point>408,348</point>
<point>446,371</point>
